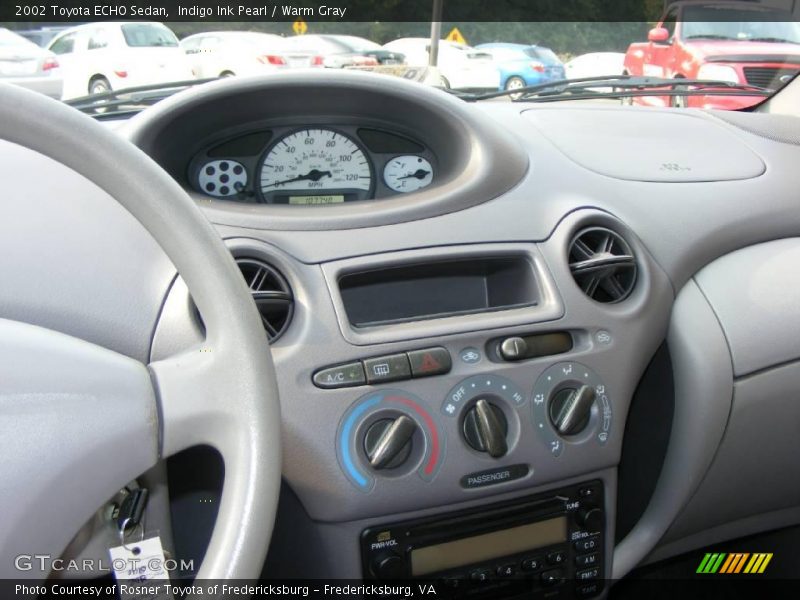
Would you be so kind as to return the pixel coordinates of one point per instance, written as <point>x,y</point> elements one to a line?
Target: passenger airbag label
<point>493,476</point>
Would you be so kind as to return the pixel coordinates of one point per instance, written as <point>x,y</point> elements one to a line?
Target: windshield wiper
<point>129,100</point>
<point>624,86</point>
<point>709,36</point>
<point>775,40</point>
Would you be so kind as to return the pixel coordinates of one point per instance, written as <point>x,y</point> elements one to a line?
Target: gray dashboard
<point>518,181</point>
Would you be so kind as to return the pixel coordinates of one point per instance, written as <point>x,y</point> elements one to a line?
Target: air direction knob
<point>570,409</point>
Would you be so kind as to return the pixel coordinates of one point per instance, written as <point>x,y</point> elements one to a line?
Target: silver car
<point>24,63</point>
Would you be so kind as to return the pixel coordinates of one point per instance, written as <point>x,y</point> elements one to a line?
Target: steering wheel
<point>79,421</point>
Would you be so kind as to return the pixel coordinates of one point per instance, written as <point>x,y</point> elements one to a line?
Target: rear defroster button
<point>394,367</point>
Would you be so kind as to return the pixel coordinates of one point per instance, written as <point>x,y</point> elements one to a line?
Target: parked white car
<point>24,63</point>
<point>595,64</point>
<point>227,53</point>
<point>99,57</point>
<point>462,67</point>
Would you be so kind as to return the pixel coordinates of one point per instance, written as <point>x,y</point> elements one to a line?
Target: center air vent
<point>603,265</point>
<point>272,295</point>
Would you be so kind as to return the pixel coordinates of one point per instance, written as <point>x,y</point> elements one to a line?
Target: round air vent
<point>603,265</point>
<point>272,295</point>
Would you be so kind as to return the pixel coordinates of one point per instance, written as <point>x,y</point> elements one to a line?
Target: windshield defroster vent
<point>272,295</point>
<point>602,264</point>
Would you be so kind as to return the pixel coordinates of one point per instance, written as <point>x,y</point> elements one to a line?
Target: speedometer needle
<point>313,175</point>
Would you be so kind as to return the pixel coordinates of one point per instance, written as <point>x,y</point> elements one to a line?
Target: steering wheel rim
<point>223,395</point>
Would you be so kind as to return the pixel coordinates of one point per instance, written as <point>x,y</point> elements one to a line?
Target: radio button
<point>453,582</point>
<point>588,544</point>
<point>588,574</point>
<point>552,577</point>
<point>508,570</point>
<point>587,560</point>
<point>480,575</point>
<point>557,557</point>
<point>531,564</point>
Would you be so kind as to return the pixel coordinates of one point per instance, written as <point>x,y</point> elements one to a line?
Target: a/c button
<point>340,376</point>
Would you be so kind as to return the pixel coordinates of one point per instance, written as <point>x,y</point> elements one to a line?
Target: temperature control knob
<point>387,442</point>
<point>570,409</point>
<point>485,429</point>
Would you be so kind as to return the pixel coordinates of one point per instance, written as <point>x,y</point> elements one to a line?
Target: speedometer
<point>315,166</point>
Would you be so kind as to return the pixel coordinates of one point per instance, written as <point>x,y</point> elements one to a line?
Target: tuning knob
<point>571,408</point>
<point>485,429</point>
<point>387,442</point>
<point>590,518</point>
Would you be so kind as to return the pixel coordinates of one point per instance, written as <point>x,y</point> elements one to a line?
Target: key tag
<point>139,566</point>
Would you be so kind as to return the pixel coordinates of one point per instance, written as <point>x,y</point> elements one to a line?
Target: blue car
<point>521,65</point>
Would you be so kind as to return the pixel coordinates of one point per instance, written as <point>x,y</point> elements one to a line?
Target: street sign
<point>300,26</point>
<point>455,36</point>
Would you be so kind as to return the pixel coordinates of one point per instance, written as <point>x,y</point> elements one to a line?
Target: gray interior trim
<point>761,282</point>
<point>778,128</point>
<point>750,525</point>
<point>484,162</point>
<point>703,393</point>
<point>752,470</point>
<point>641,145</point>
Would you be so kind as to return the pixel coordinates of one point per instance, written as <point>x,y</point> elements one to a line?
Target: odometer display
<point>316,200</point>
<point>316,163</point>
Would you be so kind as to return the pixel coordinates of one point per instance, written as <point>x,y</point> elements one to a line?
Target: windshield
<point>144,35</point>
<point>356,44</point>
<point>543,54</point>
<point>738,27</point>
<point>752,51</point>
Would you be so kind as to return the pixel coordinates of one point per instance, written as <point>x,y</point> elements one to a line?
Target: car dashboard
<point>460,364</point>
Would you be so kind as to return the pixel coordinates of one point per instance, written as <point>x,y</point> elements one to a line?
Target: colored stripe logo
<point>733,563</point>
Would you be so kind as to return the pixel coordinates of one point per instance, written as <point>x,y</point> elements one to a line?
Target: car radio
<point>542,542</point>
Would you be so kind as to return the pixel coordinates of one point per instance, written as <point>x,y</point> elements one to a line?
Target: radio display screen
<point>487,546</point>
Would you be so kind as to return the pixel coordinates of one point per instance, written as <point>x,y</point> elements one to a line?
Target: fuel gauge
<point>408,173</point>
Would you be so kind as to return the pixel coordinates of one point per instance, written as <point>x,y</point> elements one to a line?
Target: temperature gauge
<point>408,173</point>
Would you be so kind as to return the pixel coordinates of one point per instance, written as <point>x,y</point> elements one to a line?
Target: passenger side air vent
<point>602,264</point>
<point>272,295</point>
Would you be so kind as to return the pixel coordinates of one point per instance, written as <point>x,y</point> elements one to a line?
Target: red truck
<point>740,42</point>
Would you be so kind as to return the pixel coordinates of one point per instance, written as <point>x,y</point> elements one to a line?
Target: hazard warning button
<point>429,361</point>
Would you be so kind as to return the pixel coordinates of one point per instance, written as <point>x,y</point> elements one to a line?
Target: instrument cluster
<point>312,166</point>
